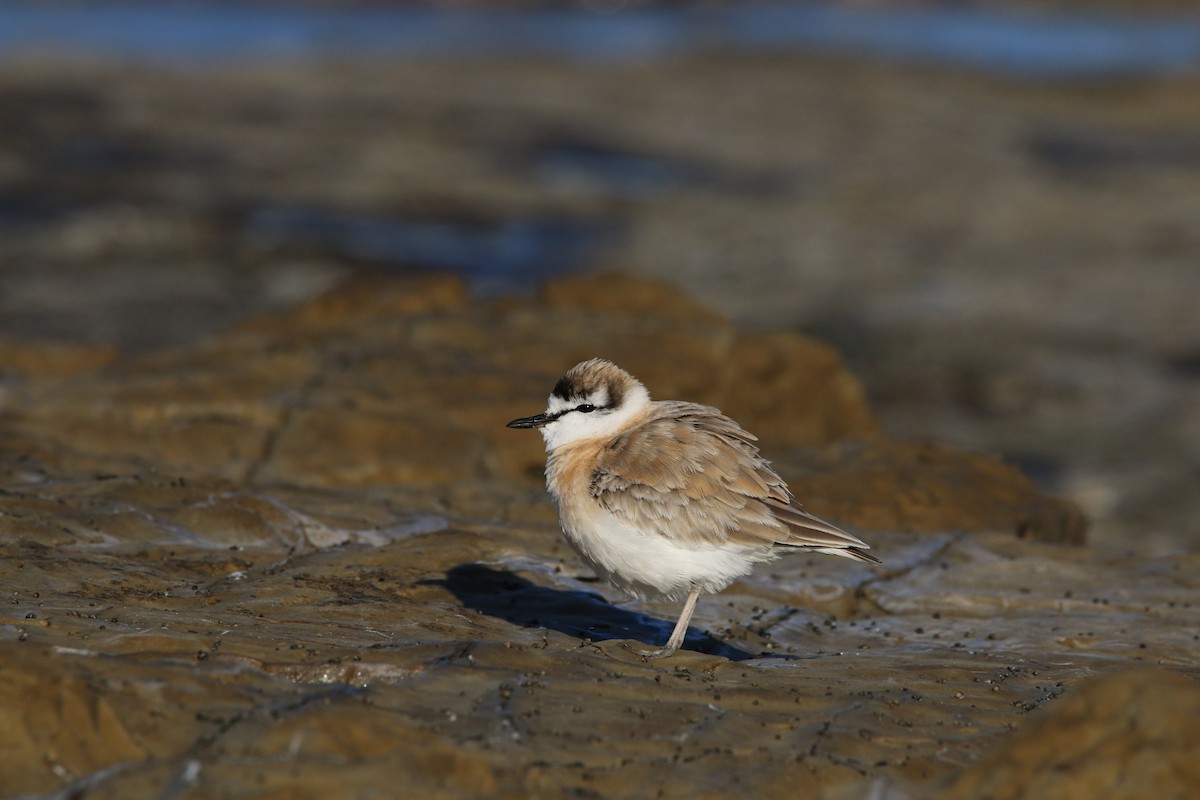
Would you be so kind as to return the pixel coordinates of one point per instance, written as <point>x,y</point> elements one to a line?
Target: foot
<point>677,635</point>
<point>649,655</point>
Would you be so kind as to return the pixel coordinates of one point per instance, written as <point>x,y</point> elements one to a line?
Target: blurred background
<point>992,209</point>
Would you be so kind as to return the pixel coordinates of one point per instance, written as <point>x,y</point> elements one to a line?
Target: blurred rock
<point>928,487</point>
<point>360,299</point>
<point>43,359</point>
<point>1005,265</point>
<point>387,381</point>
<point>403,381</point>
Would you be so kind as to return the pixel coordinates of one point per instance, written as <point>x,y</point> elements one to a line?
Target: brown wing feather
<point>693,475</point>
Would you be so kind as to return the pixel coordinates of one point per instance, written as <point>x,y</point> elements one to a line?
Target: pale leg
<point>685,616</point>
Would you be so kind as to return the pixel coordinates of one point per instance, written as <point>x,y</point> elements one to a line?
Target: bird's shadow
<point>503,594</point>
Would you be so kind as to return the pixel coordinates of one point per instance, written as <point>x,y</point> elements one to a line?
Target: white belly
<point>647,565</point>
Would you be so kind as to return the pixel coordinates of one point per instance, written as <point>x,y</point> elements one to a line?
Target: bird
<point>667,499</point>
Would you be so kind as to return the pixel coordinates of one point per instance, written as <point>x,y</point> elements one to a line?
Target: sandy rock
<point>389,381</point>
<point>460,659</point>
<point>306,558</point>
<point>333,447</point>
<point>397,383</point>
<point>624,294</point>
<point>1123,736</point>
<point>53,358</point>
<point>967,242</point>
<point>794,407</point>
<point>365,298</point>
<point>928,487</point>
<point>56,726</point>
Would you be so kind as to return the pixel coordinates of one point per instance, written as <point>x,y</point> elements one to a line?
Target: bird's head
<point>593,399</point>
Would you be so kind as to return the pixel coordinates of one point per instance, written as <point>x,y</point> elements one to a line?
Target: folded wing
<point>694,476</point>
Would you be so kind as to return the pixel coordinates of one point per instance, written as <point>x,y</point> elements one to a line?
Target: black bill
<point>536,421</point>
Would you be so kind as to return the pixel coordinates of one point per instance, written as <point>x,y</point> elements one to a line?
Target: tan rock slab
<point>305,559</point>
<point>1122,736</point>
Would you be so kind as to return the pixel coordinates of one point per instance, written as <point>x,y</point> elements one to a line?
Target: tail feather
<point>849,552</point>
<point>807,532</point>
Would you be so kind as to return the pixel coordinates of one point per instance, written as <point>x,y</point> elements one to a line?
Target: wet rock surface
<point>1123,735</point>
<point>303,558</point>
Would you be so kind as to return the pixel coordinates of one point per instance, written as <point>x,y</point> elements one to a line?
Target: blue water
<point>496,257</point>
<point>1053,45</point>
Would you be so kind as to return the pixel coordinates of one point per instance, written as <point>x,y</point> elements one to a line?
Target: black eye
<point>586,408</point>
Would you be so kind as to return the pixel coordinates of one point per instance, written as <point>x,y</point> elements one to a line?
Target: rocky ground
<point>305,557</point>
<point>265,535</point>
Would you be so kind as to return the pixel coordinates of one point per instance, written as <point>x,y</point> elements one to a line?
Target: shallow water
<point>1051,44</point>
